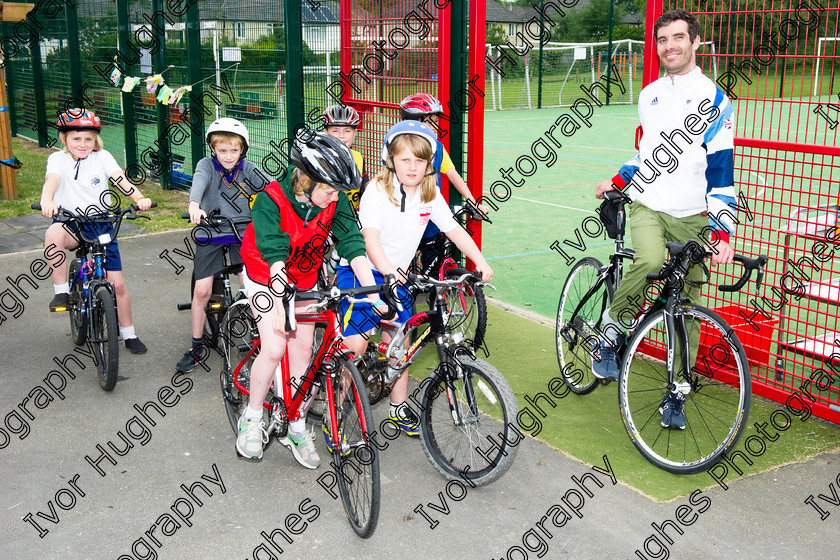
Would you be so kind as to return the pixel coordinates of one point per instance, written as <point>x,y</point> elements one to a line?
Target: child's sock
<point>395,409</point>
<point>196,342</point>
<point>251,414</point>
<point>297,426</point>
<point>127,332</point>
<point>62,288</point>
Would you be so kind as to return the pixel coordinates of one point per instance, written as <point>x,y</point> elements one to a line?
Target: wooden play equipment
<point>9,11</point>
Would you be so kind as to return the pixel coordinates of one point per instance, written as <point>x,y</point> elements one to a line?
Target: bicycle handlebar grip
<point>185,215</point>
<point>616,196</point>
<point>154,205</point>
<point>390,298</point>
<point>35,206</point>
<point>184,306</point>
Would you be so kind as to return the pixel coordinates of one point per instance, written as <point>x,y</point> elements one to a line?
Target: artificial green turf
<point>589,427</point>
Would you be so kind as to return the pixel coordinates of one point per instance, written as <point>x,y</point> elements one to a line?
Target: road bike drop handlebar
<point>116,218</point>
<point>215,219</point>
<point>685,254</point>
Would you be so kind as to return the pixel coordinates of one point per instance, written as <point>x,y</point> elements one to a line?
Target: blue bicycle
<point>93,303</point>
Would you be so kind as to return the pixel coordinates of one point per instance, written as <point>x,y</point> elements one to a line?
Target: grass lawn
<point>30,180</point>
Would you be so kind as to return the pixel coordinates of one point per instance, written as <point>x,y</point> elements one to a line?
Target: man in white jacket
<point>681,182</point>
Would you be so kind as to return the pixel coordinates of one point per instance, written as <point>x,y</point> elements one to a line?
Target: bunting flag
<point>152,83</point>
<point>115,77</point>
<point>164,93</point>
<point>130,83</point>
<point>178,94</point>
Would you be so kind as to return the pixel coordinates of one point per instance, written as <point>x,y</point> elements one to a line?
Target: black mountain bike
<point>222,296</point>
<point>93,301</point>
<point>464,401</point>
<point>437,257</point>
<point>676,350</point>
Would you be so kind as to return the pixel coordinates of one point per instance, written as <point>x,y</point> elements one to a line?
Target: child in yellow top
<point>341,121</point>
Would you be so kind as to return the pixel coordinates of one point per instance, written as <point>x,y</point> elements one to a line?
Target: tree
<point>496,36</point>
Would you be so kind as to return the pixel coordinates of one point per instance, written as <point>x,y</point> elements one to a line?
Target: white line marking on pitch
<point>552,204</point>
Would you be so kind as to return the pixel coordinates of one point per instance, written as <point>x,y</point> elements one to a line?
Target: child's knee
<point>56,235</point>
<point>119,285</point>
<point>202,291</point>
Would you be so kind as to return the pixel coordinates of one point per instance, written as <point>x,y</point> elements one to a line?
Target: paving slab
<point>54,504</point>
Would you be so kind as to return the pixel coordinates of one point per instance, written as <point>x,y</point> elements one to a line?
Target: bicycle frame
<point>92,277</point>
<point>295,405</point>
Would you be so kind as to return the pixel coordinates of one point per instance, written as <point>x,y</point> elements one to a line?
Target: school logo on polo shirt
<point>425,213</point>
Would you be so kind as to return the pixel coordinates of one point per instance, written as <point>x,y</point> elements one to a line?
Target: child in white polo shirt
<point>394,212</point>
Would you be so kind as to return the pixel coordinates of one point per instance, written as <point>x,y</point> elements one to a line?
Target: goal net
<point>568,66</point>
<point>565,67</point>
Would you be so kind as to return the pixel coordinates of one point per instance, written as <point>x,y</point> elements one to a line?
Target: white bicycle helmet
<point>408,127</point>
<point>227,124</point>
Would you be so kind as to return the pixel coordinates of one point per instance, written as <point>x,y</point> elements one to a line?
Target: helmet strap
<point>402,198</point>
<point>309,205</point>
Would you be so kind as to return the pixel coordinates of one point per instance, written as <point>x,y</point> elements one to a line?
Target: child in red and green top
<point>285,245</point>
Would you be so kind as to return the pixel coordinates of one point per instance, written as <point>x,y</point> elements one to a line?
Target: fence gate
<point>392,49</point>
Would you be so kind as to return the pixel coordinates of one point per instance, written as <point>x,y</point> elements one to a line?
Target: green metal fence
<point>232,53</point>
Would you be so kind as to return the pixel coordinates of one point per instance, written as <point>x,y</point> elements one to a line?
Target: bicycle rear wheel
<point>237,339</point>
<point>355,459</point>
<point>716,388</point>
<point>78,317</point>
<point>576,332</point>
<point>106,338</point>
<point>468,310</point>
<point>480,398</point>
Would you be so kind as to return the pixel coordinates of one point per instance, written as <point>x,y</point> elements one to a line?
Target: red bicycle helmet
<point>78,119</point>
<point>341,115</point>
<point>419,105</point>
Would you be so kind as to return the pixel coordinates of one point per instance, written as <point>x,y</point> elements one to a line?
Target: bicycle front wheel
<point>106,338</point>
<point>576,327</point>
<point>711,373</point>
<point>355,458</point>
<point>238,331</point>
<point>459,411</point>
<point>467,310</point>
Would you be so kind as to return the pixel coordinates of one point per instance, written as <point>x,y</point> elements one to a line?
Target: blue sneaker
<point>406,421</point>
<point>604,365</point>
<point>665,409</point>
<point>672,411</point>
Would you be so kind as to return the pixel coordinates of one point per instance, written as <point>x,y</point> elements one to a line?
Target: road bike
<point>676,351</point>
<point>93,300</point>
<point>348,419</point>
<point>462,403</point>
